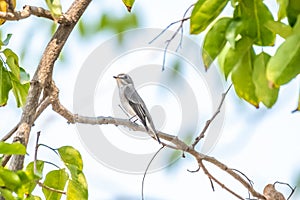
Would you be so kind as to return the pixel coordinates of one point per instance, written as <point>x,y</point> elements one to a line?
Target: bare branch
<point>10,133</point>
<point>208,122</point>
<point>5,160</point>
<point>180,28</point>
<point>211,177</point>
<point>35,151</point>
<point>32,10</point>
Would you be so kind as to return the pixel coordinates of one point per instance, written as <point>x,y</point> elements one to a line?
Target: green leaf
<point>232,32</point>
<point>242,79</point>
<point>6,194</point>
<point>24,76</point>
<point>263,91</point>
<point>76,191</point>
<point>81,28</point>
<point>10,178</point>
<point>254,15</point>
<point>55,179</point>
<point>234,56</point>
<point>282,9</point>
<point>55,8</point>
<point>71,156</point>
<point>204,12</point>
<point>26,183</point>
<point>12,61</point>
<point>14,148</point>
<point>20,92</point>
<point>293,10</point>
<point>214,41</point>
<point>5,85</point>
<point>284,65</point>
<point>279,28</point>
<point>38,174</point>
<point>6,41</point>
<point>128,4</point>
<point>222,57</point>
<point>29,179</point>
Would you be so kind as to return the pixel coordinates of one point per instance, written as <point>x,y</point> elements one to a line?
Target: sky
<point>262,143</point>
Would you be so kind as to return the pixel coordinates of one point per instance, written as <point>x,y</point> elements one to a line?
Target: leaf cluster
<point>238,42</point>
<point>20,184</point>
<point>12,76</point>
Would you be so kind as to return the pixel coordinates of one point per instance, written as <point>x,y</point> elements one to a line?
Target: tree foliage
<point>238,41</point>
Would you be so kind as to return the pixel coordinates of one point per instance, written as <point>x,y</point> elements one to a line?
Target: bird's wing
<point>137,104</point>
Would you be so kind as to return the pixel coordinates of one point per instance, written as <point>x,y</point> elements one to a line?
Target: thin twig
<point>168,42</point>
<point>35,151</point>
<point>210,176</point>
<point>51,163</point>
<point>292,189</point>
<point>50,188</point>
<point>44,145</point>
<point>35,169</point>
<point>211,184</point>
<point>194,171</point>
<point>146,170</point>
<point>208,122</point>
<point>249,180</point>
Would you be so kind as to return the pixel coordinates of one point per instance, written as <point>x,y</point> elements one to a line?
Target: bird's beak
<point>115,77</point>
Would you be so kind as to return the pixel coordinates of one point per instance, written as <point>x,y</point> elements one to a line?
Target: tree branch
<point>32,10</point>
<point>43,76</point>
<point>174,140</point>
<point>208,122</point>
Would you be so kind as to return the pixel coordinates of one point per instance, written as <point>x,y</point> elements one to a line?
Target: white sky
<point>261,143</point>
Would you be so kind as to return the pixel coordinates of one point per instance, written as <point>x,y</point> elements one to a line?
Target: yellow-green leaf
<point>76,191</point>
<point>14,148</point>
<point>10,178</point>
<point>20,92</point>
<point>235,55</point>
<point>204,12</point>
<point>282,9</point>
<point>55,179</point>
<point>55,8</point>
<point>263,91</point>
<point>7,194</point>
<point>12,61</point>
<point>71,156</point>
<point>233,31</point>
<point>128,4</point>
<point>6,41</point>
<point>242,79</point>
<point>214,41</point>
<point>284,65</point>
<point>5,85</point>
<point>279,28</point>
<point>254,15</point>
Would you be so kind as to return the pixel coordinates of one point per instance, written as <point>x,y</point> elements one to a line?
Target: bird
<point>133,104</point>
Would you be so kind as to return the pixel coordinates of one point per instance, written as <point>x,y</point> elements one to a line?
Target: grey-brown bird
<point>133,104</point>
